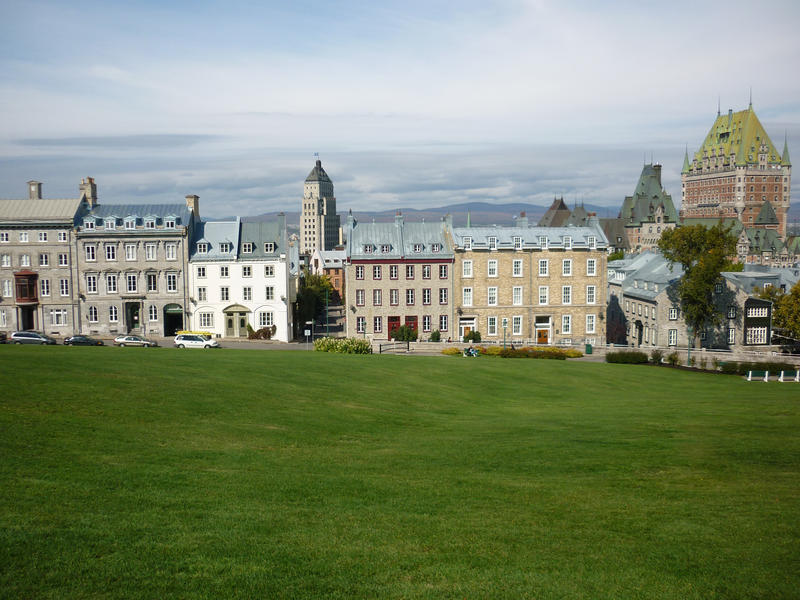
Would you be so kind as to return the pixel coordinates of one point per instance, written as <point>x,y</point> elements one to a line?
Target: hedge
<point>630,357</point>
<point>343,345</point>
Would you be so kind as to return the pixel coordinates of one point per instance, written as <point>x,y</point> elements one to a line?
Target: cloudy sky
<point>409,104</point>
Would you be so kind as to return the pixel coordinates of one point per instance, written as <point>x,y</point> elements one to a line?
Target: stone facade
<point>319,223</point>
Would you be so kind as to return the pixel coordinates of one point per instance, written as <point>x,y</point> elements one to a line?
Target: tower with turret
<point>319,223</point>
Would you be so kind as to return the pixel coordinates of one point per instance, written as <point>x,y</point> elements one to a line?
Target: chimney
<point>398,219</point>
<point>88,191</point>
<point>657,169</point>
<point>351,220</point>
<point>522,221</point>
<point>193,204</point>
<point>34,190</point>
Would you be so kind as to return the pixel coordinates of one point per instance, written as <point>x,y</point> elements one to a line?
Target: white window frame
<point>491,268</point>
<point>466,296</point>
<point>466,269</point>
<point>516,295</point>
<point>566,295</point>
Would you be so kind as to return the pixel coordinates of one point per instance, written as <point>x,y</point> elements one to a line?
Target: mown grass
<point>145,473</point>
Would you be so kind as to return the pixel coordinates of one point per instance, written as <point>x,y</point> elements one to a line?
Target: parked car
<point>188,340</point>
<point>82,340</point>
<point>133,340</point>
<point>31,337</point>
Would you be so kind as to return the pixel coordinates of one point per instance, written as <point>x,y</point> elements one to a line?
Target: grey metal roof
<point>398,240</point>
<point>214,232</point>
<point>261,231</point>
<point>43,210</point>
<point>181,212</point>
<point>318,174</point>
<point>556,236</point>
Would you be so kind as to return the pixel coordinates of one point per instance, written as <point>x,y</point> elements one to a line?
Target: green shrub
<point>673,359</point>
<point>472,336</point>
<point>435,336</point>
<point>533,352</point>
<point>630,357</point>
<point>692,361</point>
<point>265,333</point>
<point>343,345</point>
<point>703,363</point>
<point>656,356</point>
<point>729,367</point>
<point>716,363</point>
<point>451,351</point>
<point>404,333</point>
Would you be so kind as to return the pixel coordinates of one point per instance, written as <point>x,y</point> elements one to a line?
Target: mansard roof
<point>260,231</point>
<point>180,212</point>
<point>647,199</point>
<point>214,233</point>
<point>398,240</point>
<point>531,236</point>
<point>318,174</point>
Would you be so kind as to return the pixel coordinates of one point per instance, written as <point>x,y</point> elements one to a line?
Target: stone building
<point>37,262</point>
<point>543,285</point>
<point>330,263</point>
<point>319,223</point>
<point>398,274</point>
<point>735,172</point>
<point>131,266</point>
<point>648,212</point>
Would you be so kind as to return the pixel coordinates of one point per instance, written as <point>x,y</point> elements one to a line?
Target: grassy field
<point>149,473</point>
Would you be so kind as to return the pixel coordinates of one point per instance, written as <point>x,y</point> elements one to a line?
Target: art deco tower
<point>319,223</point>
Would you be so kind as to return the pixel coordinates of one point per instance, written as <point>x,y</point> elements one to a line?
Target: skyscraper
<point>319,223</point>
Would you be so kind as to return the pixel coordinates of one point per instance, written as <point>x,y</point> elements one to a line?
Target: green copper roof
<point>785,160</point>
<point>647,198</point>
<point>740,134</point>
<point>767,216</point>
<point>686,165</point>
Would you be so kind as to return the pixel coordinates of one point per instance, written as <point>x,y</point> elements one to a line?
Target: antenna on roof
<point>719,105</point>
<point>751,96</point>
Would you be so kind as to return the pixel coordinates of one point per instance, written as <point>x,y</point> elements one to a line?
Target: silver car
<point>133,340</point>
<point>31,337</point>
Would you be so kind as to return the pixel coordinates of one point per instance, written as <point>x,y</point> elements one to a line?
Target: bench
<point>758,376</point>
<point>790,376</point>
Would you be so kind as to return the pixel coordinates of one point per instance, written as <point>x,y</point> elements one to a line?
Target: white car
<point>189,340</point>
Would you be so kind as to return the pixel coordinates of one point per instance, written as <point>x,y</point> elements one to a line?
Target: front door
<point>27,318</point>
<point>242,324</point>
<point>132,316</point>
<point>465,326</point>
<point>542,335</point>
<point>394,323</point>
<point>230,324</point>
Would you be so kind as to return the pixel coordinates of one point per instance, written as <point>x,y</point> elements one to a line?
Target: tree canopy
<point>311,297</point>
<point>704,254</point>
<point>785,311</point>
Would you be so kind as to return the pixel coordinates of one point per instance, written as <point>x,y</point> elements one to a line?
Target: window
<point>376,271</point>
<point>491,296</point>
<point>266,319</point>
<point>202,294</point>
<point>426,323</point>
<point>385,248</point>
<point>269,271</point>
<point>426,296</point>
<point>566,324</point>
<point>442,322</point>
<point>516,295</point>
<point>516,325</point>
<point>731,312</point>
<point>466,268</point>
<point>224,272</point>
<point>566,267</point>
<point>247,248</point>
<point>44,260</point>
<point>591,295</point>
<point>731,335</point>
<point>491,325</point>
<point>270,293</point>
<point>673,314</point>
<point>590,321</point>
<point>63,286</point>
<point>42,236</point>
<point>492,243</point>
<point>394,297</point>
<point>110,223</point>
<point>410,297</point>
<point>442,295</point>
<point>758,311</point>
<point>169,223</point>
<point>91,284</point>
<point>150,223</point>
<point>361,324</point>
<point>224,293</point>
<point>88,224</point>
<point>409,271</point>
<point>150,252</point>
<point>247,271</point>
<point>591,266</point>
<point>6,288</point>
<point>377,297</point>
<point>113,314</point>
<point>4,238</point>
<point>491,268</point>
<point>543,242</point>
<point>44,286</point>
<point>25,260</point>
<point>90,252</point>
<point>543,294</point>
<point>172,282</point>
<point>673,337</point>
<point>225,247</point>
<point>377,324</point>
<point>171,250</point>
<point>717,288</point>
<point>58,316</point>
<point>543,267</point>
<point>202,248</point>
<point>6,262</point>
<point>247,293</point>
<point>592,242</point>
<point>467,242</point>
<point>359,297</point>
<point>152,282</point>
<point>111,283</point>
<point>517,242</point>
<point>359,272</point>
<point>206,320</point>
<point>63,260</point>
<point>442,271</point>
<point>111,252</point>
<point>368,249</point>
<point>436,248</point>
<point>130,251</point>
<point>417,248</point>
<point>201,272</point>
<point>269,247</point>
<point>566,294</point>
<point>516,268</point>
<point>152,313</point>
<point>467,296</point>
<point>567,242</point>
<point>393,272</point>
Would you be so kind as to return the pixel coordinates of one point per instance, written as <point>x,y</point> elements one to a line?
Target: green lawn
<point>149,473</point>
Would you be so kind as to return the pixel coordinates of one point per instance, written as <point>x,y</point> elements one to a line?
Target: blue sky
<point>410,104</point>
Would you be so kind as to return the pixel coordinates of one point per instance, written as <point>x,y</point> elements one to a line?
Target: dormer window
<point>517,242</point>
<point>367,248</point>
<point>467,242</point>
<point>543,242</point>
<point>110,224</point>
<point>269,247</point>
<point>225,247</point>
<point>88,224</point>
<point>592,242</point>
<point>150,223</point>
<point>417,248</point>
<point>247,248</point>
<point>130,223</point>
<point>492,243</point>
<point>567,242</point>
<point>169,222</point>
<point>385,248</point>
<point>202,247</point>
<point>436,248</point>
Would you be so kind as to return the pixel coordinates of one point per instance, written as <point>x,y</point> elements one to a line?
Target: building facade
<point>330,263</point>
<point>398,274</point>
<point>319,222</point>
<point>648,212</point>
<point>735,172</point>
<point>542,285</point>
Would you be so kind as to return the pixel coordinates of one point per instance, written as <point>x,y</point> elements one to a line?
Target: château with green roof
<point>736,173</point>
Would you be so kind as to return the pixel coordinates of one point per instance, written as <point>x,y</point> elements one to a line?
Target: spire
<point>785,160</point>
<point>751,98</point>
<point>719,105</point>
<point>685,160</point>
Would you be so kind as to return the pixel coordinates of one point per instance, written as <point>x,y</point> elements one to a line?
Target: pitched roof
<point>647,198</point>
<point>556,215</point>
<point>318,174</point>
<point>260,232</point>
<point>398,240</point>
<point>767,216</point>
<point>215,232</point>
<point>39,210</point>
<point>180,211</point>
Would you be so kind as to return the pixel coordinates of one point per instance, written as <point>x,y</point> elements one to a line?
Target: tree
<point>311,296</point>
<point>704,254</point>
<point>786,313</point>
<point>618,255</point>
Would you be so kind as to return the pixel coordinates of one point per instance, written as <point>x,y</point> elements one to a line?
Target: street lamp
<point>505,326</point>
